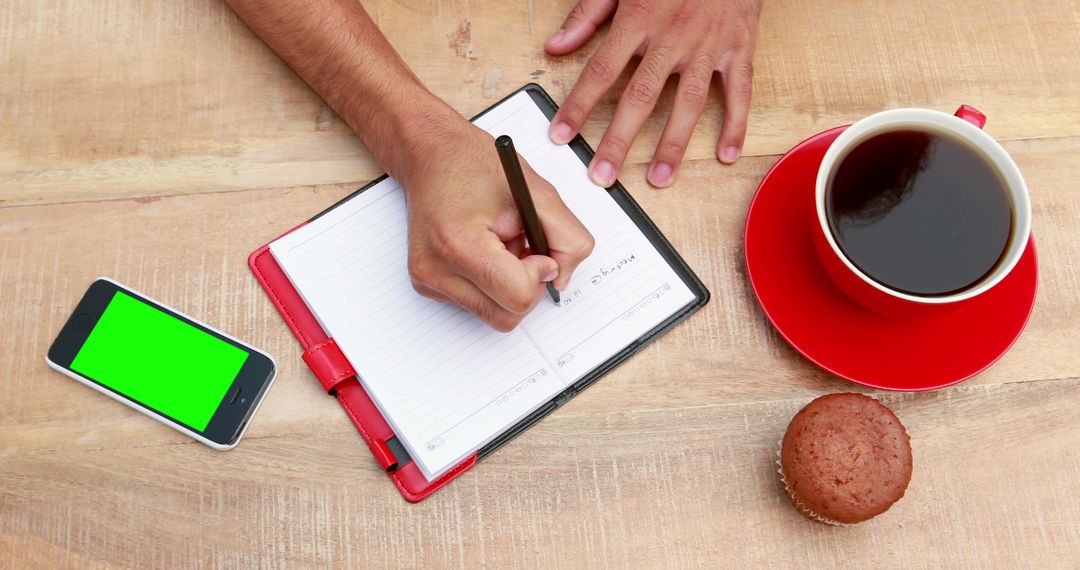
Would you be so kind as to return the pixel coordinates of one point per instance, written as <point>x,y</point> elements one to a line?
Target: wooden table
<point>160,142</point>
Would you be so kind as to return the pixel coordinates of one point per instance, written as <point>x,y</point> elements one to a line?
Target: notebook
<point>446,383</point>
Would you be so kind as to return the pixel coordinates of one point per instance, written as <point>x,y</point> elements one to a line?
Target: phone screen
<point>159,361</point>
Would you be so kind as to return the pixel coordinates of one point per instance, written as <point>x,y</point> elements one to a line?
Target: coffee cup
<point>867,230</point>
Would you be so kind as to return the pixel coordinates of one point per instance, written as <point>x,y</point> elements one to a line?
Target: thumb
<point>580,25</point>
<point>540,268</point>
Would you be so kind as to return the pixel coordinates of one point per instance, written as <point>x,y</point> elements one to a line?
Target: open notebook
<point>445,382</point>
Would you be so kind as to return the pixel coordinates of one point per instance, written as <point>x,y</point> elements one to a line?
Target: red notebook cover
<point>337,376</point>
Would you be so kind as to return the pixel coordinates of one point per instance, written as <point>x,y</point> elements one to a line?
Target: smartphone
<point>163,363</point>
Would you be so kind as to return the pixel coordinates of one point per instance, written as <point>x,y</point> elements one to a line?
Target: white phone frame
<point>153,414</point>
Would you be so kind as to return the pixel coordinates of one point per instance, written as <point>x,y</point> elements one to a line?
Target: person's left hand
<point>691,38</point>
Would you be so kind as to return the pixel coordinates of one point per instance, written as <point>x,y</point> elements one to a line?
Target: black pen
<point>534,233</point>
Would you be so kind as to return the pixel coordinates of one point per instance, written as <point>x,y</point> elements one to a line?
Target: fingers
<point>598,75</point>
<point>738,72</point>
<point>580,25</point>
<point>485,279</point>
<point>569,243</point>
<point>508,281</point>
<point>635,105</point>
<point>507,224</point>
<point>690,98</point>
<point>516,246</point>
<point>465,294</point>
<point>430,293</point>
<point>672,37</point>
<point>569,259</point>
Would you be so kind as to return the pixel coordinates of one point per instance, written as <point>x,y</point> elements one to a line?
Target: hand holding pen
<point>530,219</point>
<point>466,237</point>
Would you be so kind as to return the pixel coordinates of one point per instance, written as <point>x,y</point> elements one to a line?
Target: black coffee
<point>919,212</point>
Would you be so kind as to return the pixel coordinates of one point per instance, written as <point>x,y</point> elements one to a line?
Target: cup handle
<point>971,115</point>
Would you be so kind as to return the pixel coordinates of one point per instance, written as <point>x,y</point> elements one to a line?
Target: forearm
<point>335,47</point>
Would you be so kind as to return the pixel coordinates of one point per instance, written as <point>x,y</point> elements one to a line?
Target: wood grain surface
<point>159,143</point>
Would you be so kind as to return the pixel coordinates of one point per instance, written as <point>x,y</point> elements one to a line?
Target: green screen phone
<point>161,362</point>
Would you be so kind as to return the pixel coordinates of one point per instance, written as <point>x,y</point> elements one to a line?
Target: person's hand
<point>691,38</point>
<point>466,241</point>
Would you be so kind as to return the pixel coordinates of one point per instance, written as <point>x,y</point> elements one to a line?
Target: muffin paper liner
<point>791,493</point>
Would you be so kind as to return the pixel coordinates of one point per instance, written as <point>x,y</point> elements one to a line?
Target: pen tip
<point>553,292</point>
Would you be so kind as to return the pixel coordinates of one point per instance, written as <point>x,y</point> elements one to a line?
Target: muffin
<point>845,458</point>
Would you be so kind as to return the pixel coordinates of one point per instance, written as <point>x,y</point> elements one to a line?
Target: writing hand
<point>466,241</point>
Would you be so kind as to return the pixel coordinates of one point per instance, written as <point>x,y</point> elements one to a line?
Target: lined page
<point>446,383</point>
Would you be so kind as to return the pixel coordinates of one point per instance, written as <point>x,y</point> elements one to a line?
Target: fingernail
<point>557,37</point>
<point>660,174</point>
<point>603,173</point>
<point>561,133</point>
<point>551,274</point>
<point>730,154</point>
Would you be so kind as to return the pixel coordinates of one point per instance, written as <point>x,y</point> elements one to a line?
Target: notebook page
<point>445,382</point>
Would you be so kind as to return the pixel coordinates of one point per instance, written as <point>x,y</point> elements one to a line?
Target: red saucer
<point>892,353</point>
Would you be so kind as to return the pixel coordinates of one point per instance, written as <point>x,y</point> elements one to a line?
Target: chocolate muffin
<point>845,458</point>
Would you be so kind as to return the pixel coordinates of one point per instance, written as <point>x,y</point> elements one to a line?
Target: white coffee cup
<point>966,125</point>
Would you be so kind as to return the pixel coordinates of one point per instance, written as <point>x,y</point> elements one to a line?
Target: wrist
<point>408,127</point>
<point>425,132</point>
